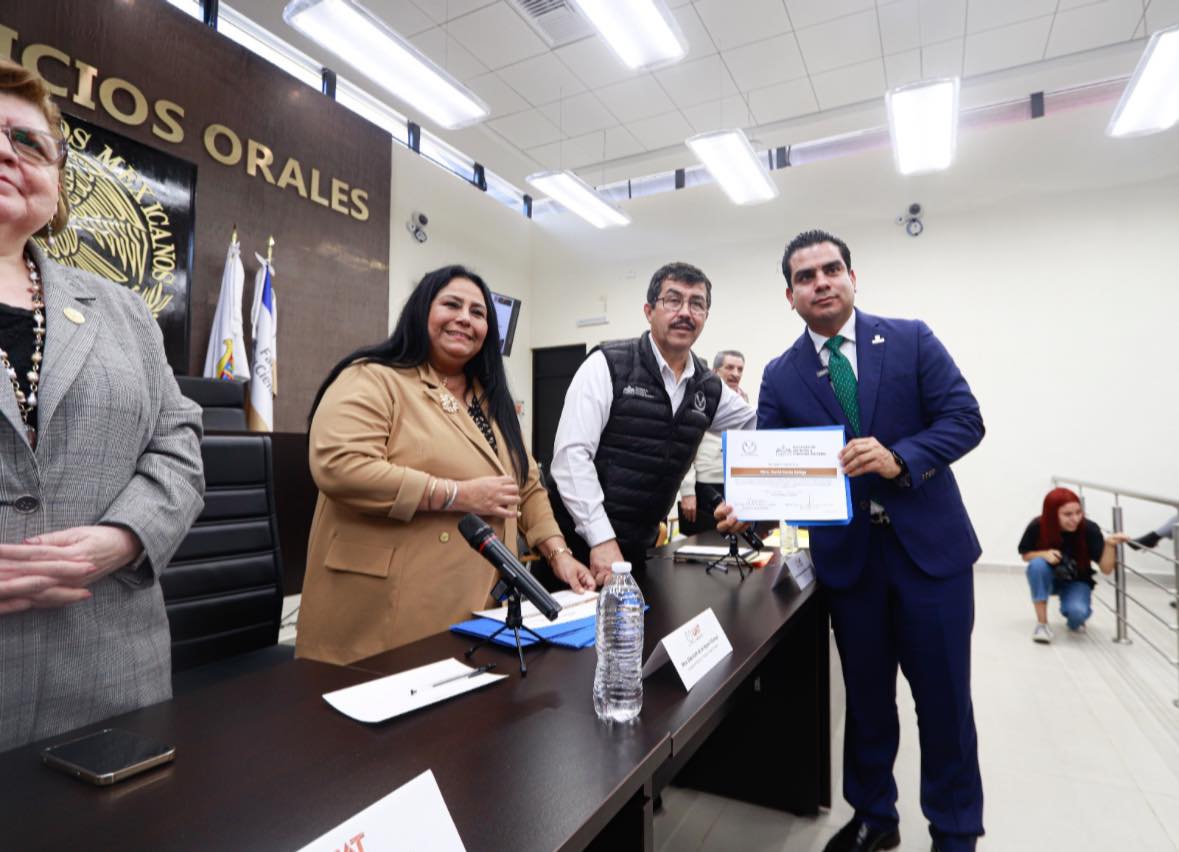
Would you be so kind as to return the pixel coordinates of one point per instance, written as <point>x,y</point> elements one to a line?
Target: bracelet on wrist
<point>430,493</point>
<point>452,495</point>
<point>557,551</point>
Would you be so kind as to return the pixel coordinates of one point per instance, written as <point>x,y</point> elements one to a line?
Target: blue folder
<point>581,633</point>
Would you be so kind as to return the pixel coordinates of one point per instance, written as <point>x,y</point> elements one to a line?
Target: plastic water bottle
<point>618,679</point>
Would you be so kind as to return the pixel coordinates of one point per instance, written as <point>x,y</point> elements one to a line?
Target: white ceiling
<point>763,65</point>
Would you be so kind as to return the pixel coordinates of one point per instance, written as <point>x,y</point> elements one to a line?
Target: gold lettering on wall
<point>292,175</point>
<point>339,196</point>
<point>32,57</point>
<point>87,74</point>
<point>259,158</point>
<point>169,114</point>
<point>109,88</point>
<point>216,131</point>
<point>7,41</point>
<point>127,104</point>
<point>315,196</point>
<point>360,205</point>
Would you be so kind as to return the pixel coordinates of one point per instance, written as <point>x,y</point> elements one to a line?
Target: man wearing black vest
<point>634,415</point>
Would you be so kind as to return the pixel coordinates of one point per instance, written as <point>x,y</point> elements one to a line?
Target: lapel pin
<point>74,316</point>
<point>877,339</point>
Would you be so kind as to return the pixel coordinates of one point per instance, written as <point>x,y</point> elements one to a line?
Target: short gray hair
<point>724,353</point>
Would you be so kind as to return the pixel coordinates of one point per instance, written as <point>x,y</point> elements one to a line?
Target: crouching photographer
<point>1060,547</point>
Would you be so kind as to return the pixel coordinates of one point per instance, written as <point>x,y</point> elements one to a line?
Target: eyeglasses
<point>35,146</point>
<point>674,301</point>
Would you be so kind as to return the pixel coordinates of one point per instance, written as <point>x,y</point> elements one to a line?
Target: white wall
<point>1048,268</point>
<point>470,228</point>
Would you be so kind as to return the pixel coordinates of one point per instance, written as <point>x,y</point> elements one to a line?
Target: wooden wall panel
<point>332,270</point>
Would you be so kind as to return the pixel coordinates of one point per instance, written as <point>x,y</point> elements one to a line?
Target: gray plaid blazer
<point>117,444</point>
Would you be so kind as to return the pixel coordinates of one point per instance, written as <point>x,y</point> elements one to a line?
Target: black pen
<point>477,671</point>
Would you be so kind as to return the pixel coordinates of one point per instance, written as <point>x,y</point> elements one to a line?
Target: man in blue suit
<point>899,577</point>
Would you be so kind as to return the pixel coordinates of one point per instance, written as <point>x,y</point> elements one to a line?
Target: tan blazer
<point>380,573</point>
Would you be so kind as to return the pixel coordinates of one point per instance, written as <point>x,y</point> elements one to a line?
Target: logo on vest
<point>637,390</point>
<point>698,401</point>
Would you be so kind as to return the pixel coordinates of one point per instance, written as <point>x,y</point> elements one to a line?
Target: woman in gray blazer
<point>100,466</point>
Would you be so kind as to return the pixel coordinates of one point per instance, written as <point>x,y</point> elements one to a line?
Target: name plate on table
<point>694,648</point>
<point>799,567</point>
<point>412,817</point>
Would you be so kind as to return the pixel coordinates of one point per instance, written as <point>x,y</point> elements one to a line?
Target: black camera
<point>1066,569</point>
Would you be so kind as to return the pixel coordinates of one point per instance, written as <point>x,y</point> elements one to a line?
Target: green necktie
<point>843,380</point>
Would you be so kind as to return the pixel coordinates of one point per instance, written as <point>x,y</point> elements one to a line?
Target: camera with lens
<point>1066,569</point>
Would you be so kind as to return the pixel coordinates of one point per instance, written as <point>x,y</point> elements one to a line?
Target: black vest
<point>645,450</point>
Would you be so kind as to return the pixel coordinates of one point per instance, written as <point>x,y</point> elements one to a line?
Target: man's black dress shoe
<point>858,836</point>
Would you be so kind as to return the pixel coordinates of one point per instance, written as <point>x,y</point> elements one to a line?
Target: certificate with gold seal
<point>788,475</point>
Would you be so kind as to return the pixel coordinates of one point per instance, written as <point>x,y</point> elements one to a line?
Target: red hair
<point>1050,533</point>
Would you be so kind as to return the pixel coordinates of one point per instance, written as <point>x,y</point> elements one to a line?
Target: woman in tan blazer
<point>406,437</point>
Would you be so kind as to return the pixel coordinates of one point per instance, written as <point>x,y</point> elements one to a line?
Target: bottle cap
<point>620,567</point>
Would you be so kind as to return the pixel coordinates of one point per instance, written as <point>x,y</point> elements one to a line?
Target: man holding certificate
<point>898,576</point>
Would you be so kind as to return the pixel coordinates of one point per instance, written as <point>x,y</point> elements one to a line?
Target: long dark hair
<point>409,346</point>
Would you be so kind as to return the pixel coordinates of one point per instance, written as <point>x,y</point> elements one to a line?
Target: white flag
<point>264,318</point>
<point>226,356</point>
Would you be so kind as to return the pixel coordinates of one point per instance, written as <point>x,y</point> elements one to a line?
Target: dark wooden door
<point>552,371</point>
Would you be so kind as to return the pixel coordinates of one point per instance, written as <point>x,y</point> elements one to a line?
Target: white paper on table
<point>412,817</point>
<point>707,552</point>
<point>787,474</point>
<point>574,606</point>
<point>386,697</point>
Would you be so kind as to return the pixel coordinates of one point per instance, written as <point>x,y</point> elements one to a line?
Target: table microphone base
<point>734,555</point>
<point>514,622</point>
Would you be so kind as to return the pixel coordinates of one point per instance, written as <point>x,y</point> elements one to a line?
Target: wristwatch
<point>902,479</point>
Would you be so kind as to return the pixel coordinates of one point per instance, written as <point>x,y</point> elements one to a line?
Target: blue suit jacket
<point>913,400</point>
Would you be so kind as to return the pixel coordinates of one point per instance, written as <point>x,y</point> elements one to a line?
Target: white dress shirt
<point>586,412</point>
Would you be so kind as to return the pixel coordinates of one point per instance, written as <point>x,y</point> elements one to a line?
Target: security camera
<point>911,220</point>
<point>417,226</point>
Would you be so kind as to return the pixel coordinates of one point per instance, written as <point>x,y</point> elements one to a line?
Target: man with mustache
<point>898,579</point>
<point>634,415</point>
<point>706,475</point>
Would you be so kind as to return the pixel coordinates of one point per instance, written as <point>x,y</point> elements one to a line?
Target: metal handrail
<point>1124,492</point>
<point>1121,596</point>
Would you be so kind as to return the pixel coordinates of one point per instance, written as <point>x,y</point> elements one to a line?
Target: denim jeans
<point>1074,594</point>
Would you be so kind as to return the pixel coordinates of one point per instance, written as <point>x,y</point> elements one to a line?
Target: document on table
<point>414,816</point>
<point>386,697</point>
<point>574,607</point>
<point>787,475</point>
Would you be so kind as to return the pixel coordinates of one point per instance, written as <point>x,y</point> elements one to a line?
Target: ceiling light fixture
<point>577,196</point>
<point>642,32</point>
<point>923,124</point>
<point>1150,102</point>
<point>732,162</point>
<point>361,39</point>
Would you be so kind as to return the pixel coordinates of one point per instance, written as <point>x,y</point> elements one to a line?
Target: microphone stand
<point>733,555</point>
<point>505,588</point>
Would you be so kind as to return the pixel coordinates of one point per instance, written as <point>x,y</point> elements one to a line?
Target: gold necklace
<point>27,404</point>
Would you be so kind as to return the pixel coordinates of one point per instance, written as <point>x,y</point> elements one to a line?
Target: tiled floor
<point>1079,746</point>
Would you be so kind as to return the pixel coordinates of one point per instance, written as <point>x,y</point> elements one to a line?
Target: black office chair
<point>223,588</point>
<point>222,402</point>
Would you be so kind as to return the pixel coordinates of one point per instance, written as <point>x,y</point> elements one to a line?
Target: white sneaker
<point>1042,634</point>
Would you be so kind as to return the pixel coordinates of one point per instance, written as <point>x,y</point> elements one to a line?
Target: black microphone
<point>715,498</point>
<point>482,537</point>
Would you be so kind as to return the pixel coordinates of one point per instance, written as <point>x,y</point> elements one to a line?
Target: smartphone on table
<point>107,756</point>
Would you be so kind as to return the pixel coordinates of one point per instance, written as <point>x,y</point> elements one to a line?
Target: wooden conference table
<point>262,761</point>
